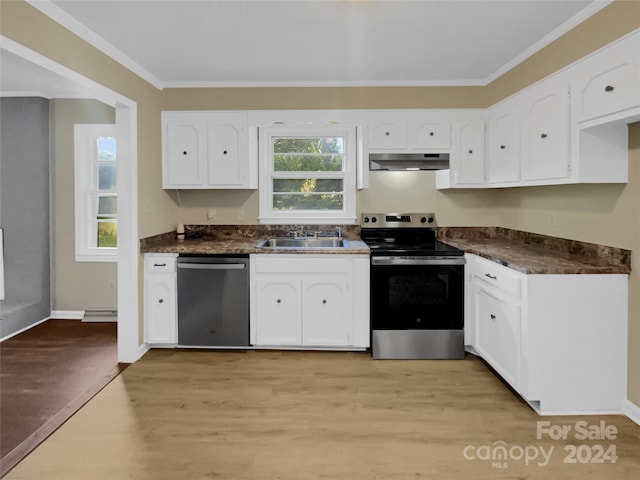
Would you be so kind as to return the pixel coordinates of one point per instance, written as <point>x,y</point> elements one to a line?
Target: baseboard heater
<point>100,315</point>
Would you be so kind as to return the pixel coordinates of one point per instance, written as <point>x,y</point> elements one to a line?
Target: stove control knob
<point>365,219</point>
<point>374,220</point>
<point>423,220</point>
<point>430,219</point>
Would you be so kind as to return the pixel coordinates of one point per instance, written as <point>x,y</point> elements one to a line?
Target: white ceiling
<point>181,43</point>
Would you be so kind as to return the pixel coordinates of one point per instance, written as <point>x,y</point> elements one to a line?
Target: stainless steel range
<point>417,288</point>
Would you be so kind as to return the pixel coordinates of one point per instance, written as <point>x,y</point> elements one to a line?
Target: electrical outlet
<point>240,215</point>
<point>211,214</point>
<point>552,220</point>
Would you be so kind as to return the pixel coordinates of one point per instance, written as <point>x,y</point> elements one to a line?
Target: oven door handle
<point>418,261</point>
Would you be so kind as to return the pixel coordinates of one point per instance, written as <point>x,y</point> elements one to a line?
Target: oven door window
<point>417,297</point>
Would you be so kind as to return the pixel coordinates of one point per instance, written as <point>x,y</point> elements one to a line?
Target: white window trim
<point>345,216</point>
<point>85,136</point>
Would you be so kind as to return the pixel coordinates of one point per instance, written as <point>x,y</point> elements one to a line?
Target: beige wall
<point>321,98</point>
<point>74,285</point>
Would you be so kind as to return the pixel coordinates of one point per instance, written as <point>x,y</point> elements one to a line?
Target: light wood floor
<point>310,415</point>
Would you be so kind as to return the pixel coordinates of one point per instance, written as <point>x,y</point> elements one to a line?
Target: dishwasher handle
<point>212,266</point>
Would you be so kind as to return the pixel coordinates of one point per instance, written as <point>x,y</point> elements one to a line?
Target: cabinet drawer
<point>157,264</point>
<point>498,334</point>
<point>500,277</point>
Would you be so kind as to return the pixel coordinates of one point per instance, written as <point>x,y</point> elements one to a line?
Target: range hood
<point>408,161</point>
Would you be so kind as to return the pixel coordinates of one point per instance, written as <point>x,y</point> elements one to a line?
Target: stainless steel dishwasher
<point>213,301</point>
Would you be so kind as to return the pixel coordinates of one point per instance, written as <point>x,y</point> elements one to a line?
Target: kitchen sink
<point>288,242</point>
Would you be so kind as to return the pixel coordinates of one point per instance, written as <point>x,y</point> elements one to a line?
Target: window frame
<point>86,192</point>
<point>347,215</point>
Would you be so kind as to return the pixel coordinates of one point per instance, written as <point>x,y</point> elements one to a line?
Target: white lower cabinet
<point>315,301</point>
<point>160,299</point>
<point>326,320</point>
<point>498,339</point>
<point>558,340</point>
<point>279,307</point>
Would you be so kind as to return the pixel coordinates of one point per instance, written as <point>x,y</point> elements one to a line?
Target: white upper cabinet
<point>546,132</point>
<point>208,150</point>
<point>608,85</point>
<point>504,145</point>
<point>468,153</point>
<point>428,135</point>
<point>386,134</point>
<point>185,144</point>
<point>406,130</point>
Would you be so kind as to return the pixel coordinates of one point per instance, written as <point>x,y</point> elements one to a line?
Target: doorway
<point>61,77</point>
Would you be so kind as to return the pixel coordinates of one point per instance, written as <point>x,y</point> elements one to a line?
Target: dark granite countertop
<point>537,254</point>
<point>242,239</point>
<point>524,252</point>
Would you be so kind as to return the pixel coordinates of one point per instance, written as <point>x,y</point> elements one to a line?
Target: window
<point>96,195</point>
<point>307,175</point>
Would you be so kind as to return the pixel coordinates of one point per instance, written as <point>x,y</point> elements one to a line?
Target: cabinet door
<point>387,135</point>
<point>160,309</point>
<point>227,159</point>
<point>324,322</point>
<point>278,310</point>
<point>469,161</point>
<point>547,135</point>
<point>498,334</point>
<point>185,162</point>
<point>610,91</point>
<point>429,135</point>
<point>504,148</point>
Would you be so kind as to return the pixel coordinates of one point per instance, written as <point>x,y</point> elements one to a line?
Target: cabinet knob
<point>161,301</point>
<point>493,317</point>
<point>470,151</point>
<point>431,134</point>
<point>492,277</point>
<point>502,147</point>
<point>608,88</point>
<point>324,301</point>
<point>184,152</point>
<point>544,135</point>
<point>279,301</point>
<point>224,152</point>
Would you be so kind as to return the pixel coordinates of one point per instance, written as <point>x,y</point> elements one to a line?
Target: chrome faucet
<point>302,233</point>
<point>339,232</point>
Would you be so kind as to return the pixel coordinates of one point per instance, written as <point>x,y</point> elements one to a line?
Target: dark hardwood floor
<point>46,374</point>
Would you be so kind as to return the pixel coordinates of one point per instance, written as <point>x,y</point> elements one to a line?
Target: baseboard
<point>632,411</point>
<point>28,327</point>
<point>142,349</point>
<point>100,318</point>
<point>67,314</point>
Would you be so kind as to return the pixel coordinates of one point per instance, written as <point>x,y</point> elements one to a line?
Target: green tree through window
<point>307,159</point>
